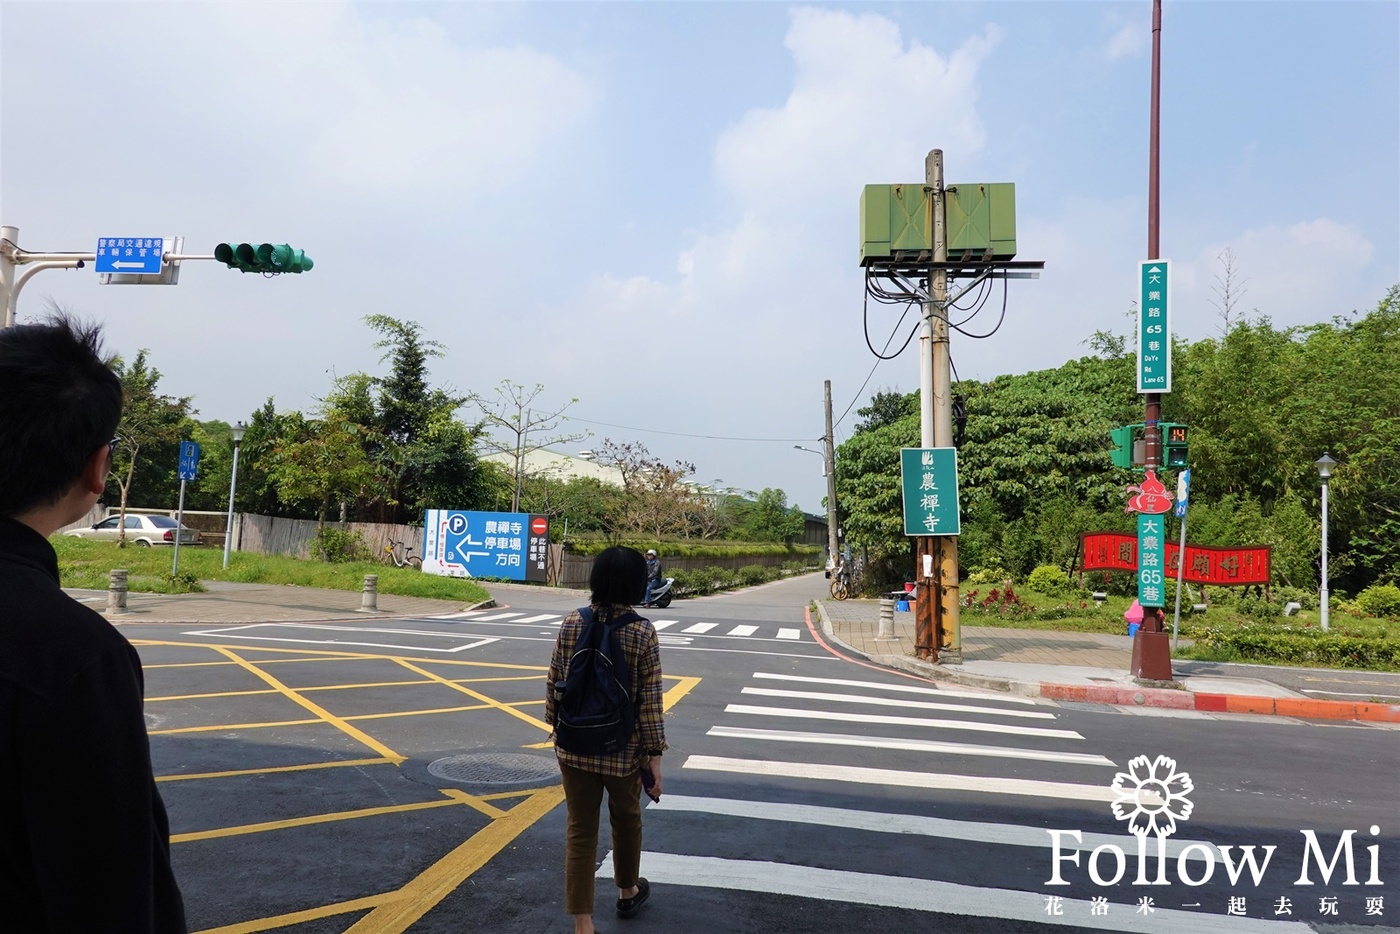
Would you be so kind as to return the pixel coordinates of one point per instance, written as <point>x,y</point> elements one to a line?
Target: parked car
<point>141,529</point>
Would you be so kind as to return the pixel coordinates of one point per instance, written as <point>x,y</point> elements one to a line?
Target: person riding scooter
<point>653,574</point>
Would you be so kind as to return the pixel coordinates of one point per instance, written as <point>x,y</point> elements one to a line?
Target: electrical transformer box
<point>981,222</point>
<point>896,221</point>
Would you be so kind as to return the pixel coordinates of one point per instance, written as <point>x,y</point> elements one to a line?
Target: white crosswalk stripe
<point>789,633</point>
<point>743,631</point>
<point>700,627</point>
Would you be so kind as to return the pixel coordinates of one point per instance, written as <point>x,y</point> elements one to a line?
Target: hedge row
<point>695,549</point>
<point>704,581</point>
<point>1303,646</point>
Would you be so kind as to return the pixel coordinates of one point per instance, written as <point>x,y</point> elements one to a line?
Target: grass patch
<point>86,564</point>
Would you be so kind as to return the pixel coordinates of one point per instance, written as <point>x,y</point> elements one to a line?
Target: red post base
<point>1152,656</point>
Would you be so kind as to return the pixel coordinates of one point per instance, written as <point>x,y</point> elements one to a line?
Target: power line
<point>680,434</point>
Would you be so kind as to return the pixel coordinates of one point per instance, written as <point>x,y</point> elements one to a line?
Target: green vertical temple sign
<point>929,477</point>
<point>1154,347</point>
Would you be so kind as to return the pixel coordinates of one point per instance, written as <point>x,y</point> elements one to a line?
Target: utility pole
<point>936,605</point>
<point>830,453</point>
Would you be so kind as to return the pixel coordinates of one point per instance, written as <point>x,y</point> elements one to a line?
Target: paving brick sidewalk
<point>1076,666</point>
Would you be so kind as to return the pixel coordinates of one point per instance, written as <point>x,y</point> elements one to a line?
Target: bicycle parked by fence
<point>841,581</point>
<point>402,556</point>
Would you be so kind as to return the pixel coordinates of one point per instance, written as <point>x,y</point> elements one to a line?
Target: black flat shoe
<point>627,907</point>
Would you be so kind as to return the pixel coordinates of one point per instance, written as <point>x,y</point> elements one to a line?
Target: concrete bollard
<point>116,590</point>
<point>369,598</point>
<point>886,620</point>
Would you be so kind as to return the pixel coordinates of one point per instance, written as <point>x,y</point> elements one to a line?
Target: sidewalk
<point>1073,666</point>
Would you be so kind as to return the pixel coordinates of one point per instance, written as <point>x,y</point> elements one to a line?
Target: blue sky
<point>652,207</point>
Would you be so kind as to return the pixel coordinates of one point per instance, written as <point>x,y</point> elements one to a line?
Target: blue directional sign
<point>1183,492</point>
<point>189,459</point>
<point>505,545</point>
<point>132,255</point>
<point>1154,344</point>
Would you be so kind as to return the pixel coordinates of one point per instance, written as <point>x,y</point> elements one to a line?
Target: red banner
<point>1222,567</point>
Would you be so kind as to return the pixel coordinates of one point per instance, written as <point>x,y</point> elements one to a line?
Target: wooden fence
<point>574,569</point>
<point>270,535</point>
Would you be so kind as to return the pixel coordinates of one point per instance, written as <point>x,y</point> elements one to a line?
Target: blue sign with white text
<point>132,255</point>
<point>507,545</point>
<point>189,459</point>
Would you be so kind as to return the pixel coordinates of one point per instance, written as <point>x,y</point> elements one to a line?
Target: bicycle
<point>841,583</point>
<point>408,560</point>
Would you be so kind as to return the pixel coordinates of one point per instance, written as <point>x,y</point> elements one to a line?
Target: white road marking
<point>235,633</point>
<point>700,627</point>
<point>789,633</point>
<point>931,895</point>
<point>495,616</point>
<point>743,631</point>
<point>881,822</point>
<point>913,745</point>
<point>902,688</point>
<point>659,624</point>
<point>1346,694</point>
<point>970,725</point>
<point>541,618</point>
<point>986,784</point>
<point>897,702</point>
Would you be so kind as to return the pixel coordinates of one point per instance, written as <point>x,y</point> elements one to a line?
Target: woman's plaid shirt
<point>643,653</point>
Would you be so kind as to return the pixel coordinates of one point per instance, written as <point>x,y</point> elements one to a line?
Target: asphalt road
<point>390,776</point>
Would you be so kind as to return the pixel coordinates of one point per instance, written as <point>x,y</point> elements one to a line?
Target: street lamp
<point>818,453</point>
<point>237,431</point>
<point>1324,466</point>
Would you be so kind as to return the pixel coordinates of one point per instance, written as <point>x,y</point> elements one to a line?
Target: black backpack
<point>595,712</point>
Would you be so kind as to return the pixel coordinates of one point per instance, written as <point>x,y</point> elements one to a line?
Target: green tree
<point>148,435</point>
<point>327,461</point>
<point>525,426</point>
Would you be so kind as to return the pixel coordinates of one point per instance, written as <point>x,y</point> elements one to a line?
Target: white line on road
<point>901,779</point>
<point>742,631</point>
<point>700,627</point>
<point>897,702</point>
<point>970,725</point>
<point>883,822</point>
<point>912,745</point>
<point>931,895</point>
<point>1346,694</point>
<point>789,633</point>
<point>539,619</point>
<point>337,643</point>
<point>495,616</point>
<point>902,688</point>
<point>663,623</point>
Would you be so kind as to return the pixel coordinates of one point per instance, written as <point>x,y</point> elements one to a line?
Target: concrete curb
<point>1172,698</point>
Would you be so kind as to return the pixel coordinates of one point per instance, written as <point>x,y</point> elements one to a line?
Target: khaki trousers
<point>583,794</point>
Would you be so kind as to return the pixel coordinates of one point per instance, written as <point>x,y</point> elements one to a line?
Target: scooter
<point>661,594</point>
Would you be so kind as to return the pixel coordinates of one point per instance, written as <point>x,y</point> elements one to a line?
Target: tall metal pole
<point>9,241</point>
<point>830,454</point>
<point>232,486</point>
<point>179,527</point>
<point>1322,595</point>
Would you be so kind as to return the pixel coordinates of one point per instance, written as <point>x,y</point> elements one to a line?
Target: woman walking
<point>618,580</point>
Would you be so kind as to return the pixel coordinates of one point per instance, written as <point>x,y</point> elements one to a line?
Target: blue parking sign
<point>189,459</point>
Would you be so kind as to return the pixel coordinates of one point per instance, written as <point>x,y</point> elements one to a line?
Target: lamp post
<point>237,431</point>
<point>1324,466</point>
<point>829,471</point>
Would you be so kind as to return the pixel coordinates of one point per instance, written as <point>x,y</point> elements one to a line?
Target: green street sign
<point>1152,559</point>
<point>929,478</point>
<point>1154,344</point>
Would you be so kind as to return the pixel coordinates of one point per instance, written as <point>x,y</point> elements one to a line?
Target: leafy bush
<point>1381,600</point>
<point>1304,598</point>
<point>1004,603</point>
<point>1048,579</point>
<point>338,546</point>
<point>990,575</point>
<point>1259,609</point>
<point>1300,646</point>
<point>752,574</point>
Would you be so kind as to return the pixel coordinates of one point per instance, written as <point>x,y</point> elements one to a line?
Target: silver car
<point>141,529</point>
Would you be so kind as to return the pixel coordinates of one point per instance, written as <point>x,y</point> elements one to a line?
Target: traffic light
<point>1174,443</point>
<point>1122,445</point>
<point>265,258</point>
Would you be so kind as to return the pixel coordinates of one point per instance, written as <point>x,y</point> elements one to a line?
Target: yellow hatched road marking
<point>325,655</point>
<point>439,880</point>
<point>308,767</point>
<point>298,917</point>
<point>306,689</point>
<point>491,701</point>
<point>315,708</point>
<point>462,797</point>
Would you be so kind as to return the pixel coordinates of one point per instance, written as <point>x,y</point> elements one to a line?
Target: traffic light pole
<point>12,256</point>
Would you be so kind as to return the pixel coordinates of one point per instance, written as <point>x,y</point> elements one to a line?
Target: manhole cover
<point>496,769</point>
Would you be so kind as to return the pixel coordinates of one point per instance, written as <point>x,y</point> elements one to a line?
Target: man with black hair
<point>84,838</point>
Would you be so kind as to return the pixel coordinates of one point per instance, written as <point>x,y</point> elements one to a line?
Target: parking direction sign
<point>506,545</point>
<point>929,477</point>
<point>1154,346</point>
<point>189,459</point>
<point>132,255</point>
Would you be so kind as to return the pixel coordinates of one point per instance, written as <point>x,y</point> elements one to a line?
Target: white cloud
<point>1128,42</point>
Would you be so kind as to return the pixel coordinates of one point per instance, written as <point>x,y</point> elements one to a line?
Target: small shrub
<point>338,546</point>
<point>1382,600</point>
<point>1258,609</point>
<point>752,574</point>
<point>992,575</point>
<point>184,583</point>
<point>1048,579</point>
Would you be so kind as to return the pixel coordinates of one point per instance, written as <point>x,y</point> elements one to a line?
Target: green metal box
<point>981,221</point>
<point>895,219</point>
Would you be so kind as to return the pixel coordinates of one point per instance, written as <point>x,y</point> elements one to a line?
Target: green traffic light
<point>264,258</point>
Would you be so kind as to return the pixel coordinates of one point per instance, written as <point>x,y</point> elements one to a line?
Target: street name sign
<point>131,255</point>
<point>1152,560</point>
<point>929,477</point>
<point>1154,344</point>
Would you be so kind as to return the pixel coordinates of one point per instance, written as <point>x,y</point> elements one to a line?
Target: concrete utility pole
<point>936,605</point>
<point>831,538</point>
